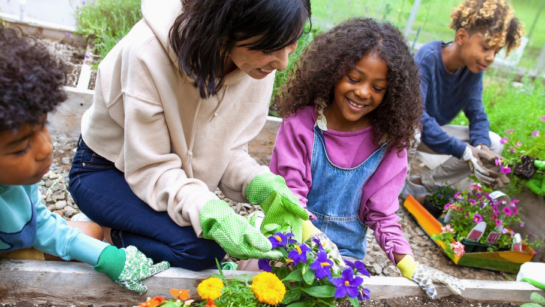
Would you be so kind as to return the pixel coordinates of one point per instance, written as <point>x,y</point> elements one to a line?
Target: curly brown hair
<point>494,18</point>
<point>333,54</point>
<point>31,80</point>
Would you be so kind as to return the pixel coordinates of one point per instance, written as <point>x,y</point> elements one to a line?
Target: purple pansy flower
<point>472,201</point>
<point>504,140</point>
<point>322,265</point>
<point>264,265</point>
<point>279,239</point>
<point>299,254</point>
<point>358,266</point>
<point>364,295</point>
<point>505,169</point>
<point>535,133</point>
<point>477,218</point>
<point>347,284</point>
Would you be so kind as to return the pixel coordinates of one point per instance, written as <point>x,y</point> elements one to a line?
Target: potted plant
<point>493,212</point>
<point>436,201</point>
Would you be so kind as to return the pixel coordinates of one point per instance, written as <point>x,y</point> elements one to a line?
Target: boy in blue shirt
<point>451,81</point>
<point>30,87</point>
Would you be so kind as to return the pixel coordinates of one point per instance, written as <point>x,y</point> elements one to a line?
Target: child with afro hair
<point>350,110</point>
<point>30,87</point>
<point>451,77</point>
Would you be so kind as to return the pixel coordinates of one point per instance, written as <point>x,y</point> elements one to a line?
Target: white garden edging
<point>78,284</point>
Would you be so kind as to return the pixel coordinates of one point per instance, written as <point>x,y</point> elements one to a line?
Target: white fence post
<point>412,18</point>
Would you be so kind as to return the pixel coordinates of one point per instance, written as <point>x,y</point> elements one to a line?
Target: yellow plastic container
<point>505,261</point>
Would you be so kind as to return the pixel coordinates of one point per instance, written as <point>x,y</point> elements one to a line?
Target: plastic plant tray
<point>503,261</point>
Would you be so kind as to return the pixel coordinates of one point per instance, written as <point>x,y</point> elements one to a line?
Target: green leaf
<point>320,291</point>
<point>308,276</point>
<point>537,298</point>
<point>283,272</point>
<point>530,305</point>
<point>284,252</point>
<point>292,295</point>
<point>299,304</point>
<point>354,301</point>
<point>296,275</point>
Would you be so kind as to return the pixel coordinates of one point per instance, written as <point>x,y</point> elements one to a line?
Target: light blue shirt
<point>53,235</point>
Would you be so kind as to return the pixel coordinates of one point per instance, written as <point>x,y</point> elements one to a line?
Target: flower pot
<point>432,208</point>
<point>476,247</point>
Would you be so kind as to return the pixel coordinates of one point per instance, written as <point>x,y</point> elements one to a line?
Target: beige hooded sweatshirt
<point>173,147</point>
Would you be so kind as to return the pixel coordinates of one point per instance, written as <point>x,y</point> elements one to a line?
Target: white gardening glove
<point>475,157</point>
<point>425,276</point>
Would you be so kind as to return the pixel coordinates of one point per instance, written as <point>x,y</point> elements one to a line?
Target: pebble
<point>69,211</point>
<point>65,161</point>
<point>51,207</point>
<point>60,204</point>
<point>59,212</point>
<point>377,267</point>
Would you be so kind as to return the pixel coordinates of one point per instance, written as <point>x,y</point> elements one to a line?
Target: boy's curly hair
<point>31,80</point>
<point>333,54</point>
<point>494,18</point>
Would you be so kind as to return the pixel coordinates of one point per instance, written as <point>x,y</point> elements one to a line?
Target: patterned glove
<point>234,233</point>
<point>425,276</point>
<point>128,267</point>
<point>476,159</point>
<point>280,205</point>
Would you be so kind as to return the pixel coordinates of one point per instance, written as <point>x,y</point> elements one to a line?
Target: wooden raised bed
<point>71,283</point>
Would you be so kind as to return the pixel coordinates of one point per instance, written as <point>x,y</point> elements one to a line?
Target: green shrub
<point>106,22</point>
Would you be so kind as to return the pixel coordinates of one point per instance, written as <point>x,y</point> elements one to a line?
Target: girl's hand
<point>425,276</point>
<point>280,205</point>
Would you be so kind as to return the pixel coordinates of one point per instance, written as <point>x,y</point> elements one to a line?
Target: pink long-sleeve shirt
<point>291,159</point>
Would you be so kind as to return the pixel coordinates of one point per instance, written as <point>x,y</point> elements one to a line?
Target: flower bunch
<point>311,275</point>
<point>474,206</point>
<point>180,298</point>
<point>441,195</point>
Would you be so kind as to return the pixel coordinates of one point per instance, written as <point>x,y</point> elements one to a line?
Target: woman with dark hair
<point>176,103</point>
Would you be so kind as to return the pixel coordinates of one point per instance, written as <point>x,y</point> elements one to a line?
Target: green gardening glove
<point>128,267</point>
<point>280,205</point>
<point>537,184</point>
<point>234,233</point>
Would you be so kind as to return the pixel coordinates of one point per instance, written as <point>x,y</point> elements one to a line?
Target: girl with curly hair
<point>350,109</point>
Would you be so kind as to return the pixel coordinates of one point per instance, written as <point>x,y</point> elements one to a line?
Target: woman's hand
<point>425,276</point>
<point>280,205</point>
<point>234,233</point>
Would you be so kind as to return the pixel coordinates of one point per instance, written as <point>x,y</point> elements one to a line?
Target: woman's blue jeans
<point>102,193</point>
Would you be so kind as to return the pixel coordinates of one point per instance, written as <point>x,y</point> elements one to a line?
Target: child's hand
<point>425,276</point>
<point>280,205</point>
<point>128,267</point>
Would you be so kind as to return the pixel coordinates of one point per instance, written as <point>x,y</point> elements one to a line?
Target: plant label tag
<point>448,217</point>
<point>477,232</point>
<point>517,243</point>
<point>493,237</point>
<point>497,195</point>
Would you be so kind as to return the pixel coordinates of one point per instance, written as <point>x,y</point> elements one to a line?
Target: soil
<point>418,301</point>
<point>72,56</point>
<point>526,169</point>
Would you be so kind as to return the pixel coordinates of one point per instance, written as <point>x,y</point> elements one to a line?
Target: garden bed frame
<point>71,283</point>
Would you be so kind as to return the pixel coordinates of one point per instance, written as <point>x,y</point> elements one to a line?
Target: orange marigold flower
<point>180,294</point>
<point>153,302</point>
<point>210,303</point>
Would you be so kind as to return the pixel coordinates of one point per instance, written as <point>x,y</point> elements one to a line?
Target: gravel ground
<point>54,188</point>
<point>72,56</point>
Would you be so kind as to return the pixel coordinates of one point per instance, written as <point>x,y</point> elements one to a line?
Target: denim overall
<point>335,197</point>
<point>24,238</point>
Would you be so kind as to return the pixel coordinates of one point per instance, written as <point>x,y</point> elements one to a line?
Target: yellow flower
<point>210,289</point>
<point>268,288</point>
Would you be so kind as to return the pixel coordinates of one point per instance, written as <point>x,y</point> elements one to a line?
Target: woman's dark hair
<point>31,80</point>
<point>207,30</point>
<point>333,54</point>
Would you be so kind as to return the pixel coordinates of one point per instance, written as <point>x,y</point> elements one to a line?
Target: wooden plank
<point>78,284</point>
<point>65,122</point>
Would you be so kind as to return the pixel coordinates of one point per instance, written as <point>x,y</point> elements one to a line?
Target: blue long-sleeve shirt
<point>444,95</point>
<point>53,235</point>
